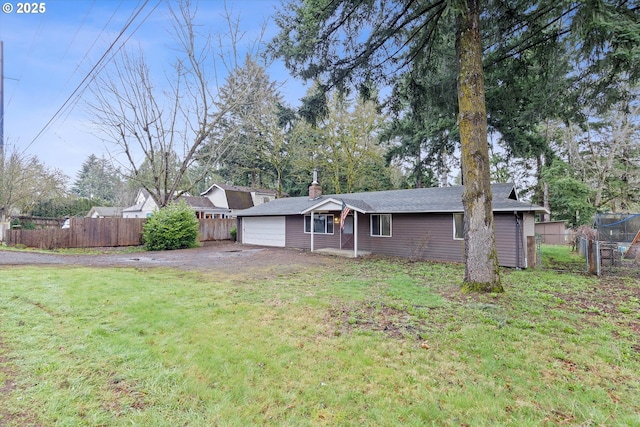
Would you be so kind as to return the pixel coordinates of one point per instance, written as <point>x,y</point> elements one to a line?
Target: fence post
<point>598,258</point>
<point>591,257</point>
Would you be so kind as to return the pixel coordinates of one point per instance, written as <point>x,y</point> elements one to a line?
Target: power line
<point>36,35</point>
<point>113,53</point>
<point>95,41</point>
<point>88,76</point>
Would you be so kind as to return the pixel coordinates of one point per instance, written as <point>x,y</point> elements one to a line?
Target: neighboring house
<point>143,208</point>
<point>236,198</point>
<point>422,223</point>
<point>105,212</point>
<point>202,206</point>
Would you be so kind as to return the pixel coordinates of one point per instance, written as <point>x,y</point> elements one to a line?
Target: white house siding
<point>529,224</point>
<point>145,211</point>
<point>260,198</point>
<point>218,198</point>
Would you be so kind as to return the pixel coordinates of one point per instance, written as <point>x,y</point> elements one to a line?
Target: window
<point>381,225</point>
<point>322,224</point>
<point>458,226</point>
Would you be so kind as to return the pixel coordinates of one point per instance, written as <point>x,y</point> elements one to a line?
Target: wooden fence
<point>216,229</point>
<point>106,232</point>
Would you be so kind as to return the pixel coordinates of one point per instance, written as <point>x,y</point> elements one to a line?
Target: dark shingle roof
<point>198,202</point>
<point>439,199</point>
<point>238,199</point>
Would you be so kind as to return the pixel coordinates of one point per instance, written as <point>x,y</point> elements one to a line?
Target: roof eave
<point>331,200</point>
<point>523,209</point>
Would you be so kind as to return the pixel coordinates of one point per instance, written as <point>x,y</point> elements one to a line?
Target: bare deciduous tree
<point>24,182</point>
<point>159,133</point>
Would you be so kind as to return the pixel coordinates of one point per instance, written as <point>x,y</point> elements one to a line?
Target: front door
<point>347,233</point>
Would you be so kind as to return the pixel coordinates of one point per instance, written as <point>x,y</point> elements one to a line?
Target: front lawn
<point>376,342</point>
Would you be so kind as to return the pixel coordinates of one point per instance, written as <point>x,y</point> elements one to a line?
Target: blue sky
<point>47,55</point>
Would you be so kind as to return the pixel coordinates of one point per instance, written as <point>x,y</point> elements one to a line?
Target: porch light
<point>336,219</point>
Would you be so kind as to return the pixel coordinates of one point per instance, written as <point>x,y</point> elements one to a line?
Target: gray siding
<point>414,236</point>
<point>295,237</point>
<point>505,227</point>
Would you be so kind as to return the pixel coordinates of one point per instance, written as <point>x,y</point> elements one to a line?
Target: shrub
<point>234,233</point>
<point>172,227</point>
<point>27,225</point>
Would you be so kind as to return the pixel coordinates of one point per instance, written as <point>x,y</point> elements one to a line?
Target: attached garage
<point>264,231</point>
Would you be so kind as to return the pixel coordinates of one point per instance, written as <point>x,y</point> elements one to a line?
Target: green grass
<point>76,251</point>
<point>376,342</point>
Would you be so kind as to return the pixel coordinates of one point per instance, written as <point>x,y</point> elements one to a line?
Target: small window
<point>381,225</point>
<point>458,226</point>
<point>322,224</point>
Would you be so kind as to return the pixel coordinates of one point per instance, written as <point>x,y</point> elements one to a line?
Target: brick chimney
<point>315,190</point>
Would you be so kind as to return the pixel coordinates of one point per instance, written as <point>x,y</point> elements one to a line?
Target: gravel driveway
<point>227,256</point>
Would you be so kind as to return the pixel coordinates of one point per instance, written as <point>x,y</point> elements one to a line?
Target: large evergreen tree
<point>351,43</point>
<point>98,179</point>
<point>246,139</point>
<point>356,42</point>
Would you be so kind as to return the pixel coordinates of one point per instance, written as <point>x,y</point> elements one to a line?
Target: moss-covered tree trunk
<point>481,271</point>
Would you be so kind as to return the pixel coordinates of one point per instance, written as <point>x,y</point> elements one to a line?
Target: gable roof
<point>198,202</point>
<point>420,200</point>
<point>105,211</point>
<point>240,188</point>
<point>134,208</point>
<point>238,199</point>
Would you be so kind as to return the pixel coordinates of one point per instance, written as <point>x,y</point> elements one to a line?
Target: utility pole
<point>2,212</point>
<point>2,103</point>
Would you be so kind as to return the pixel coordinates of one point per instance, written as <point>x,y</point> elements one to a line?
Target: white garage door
<point>265,231</point>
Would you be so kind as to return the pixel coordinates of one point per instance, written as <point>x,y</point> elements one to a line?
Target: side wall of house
<point>218,198</point>
<point>414,236</point>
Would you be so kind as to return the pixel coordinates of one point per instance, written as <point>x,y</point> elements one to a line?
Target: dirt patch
<point>613,298</point>
<point>392,321</point>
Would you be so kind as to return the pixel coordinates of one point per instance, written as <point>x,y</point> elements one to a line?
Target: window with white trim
<point>322,224</point>
<point>458,226</point>
<point>381,225</point>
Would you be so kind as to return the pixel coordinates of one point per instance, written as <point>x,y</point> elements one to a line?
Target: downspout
<point>312,227</point>
<point>355,233</point>
<point>518,239</point>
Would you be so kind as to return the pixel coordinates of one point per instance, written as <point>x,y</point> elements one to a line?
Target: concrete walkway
<point>346,253</point>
